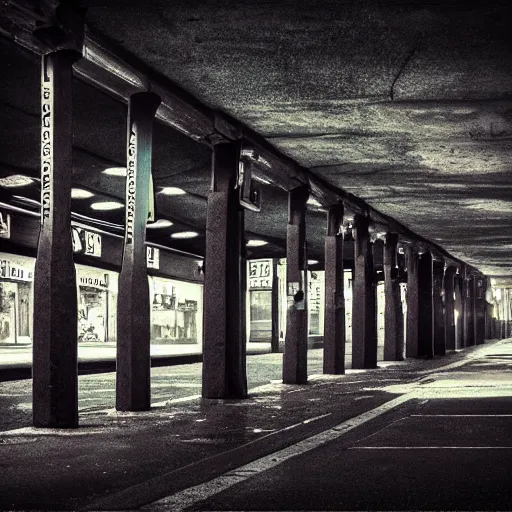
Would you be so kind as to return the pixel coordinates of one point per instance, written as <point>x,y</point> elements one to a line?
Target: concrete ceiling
<point>405,104</point>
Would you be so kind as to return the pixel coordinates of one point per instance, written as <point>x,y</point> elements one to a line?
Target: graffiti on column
<point>130,184</point>
<point>46,152</point>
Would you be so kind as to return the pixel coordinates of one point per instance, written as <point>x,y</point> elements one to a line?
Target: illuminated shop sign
<point>260,275</point>
<point>86,242</point>
<point>152,257</point>
<point>9,270</point>
<point>5,225</point>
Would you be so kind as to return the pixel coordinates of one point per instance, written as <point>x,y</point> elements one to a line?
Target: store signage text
<point>9,270</point>
<point>260,275</point>
<point>95,282</point>
<point>86,242</point>
<point>153,257</point>
<point>46,146</point>
<point>130,184</point>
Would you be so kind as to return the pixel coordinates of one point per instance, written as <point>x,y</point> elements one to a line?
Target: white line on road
<point>431,448</point>
<point>461,415</point>
<point>188,497</point>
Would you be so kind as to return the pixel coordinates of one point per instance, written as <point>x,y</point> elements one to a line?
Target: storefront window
<point>97,302</point>
<point>176,312</point>
<point>16,277</point>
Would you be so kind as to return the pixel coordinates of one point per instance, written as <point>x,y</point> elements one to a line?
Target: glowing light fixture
<point>313,202</point>
<point>185,234</point>
<point>160,223</point>
<point>172,191</point>
<point>80,193</point>
<point>256,243</point>
<point>312,262</point>
<point>107,205</point>
<point>115,171</point>
<point>15,180</point>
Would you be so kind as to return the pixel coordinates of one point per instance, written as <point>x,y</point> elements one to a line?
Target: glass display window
<point>97,302</point>
<point>16,292</point>
<point>176,311</point>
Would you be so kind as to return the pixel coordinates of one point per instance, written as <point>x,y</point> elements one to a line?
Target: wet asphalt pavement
<point>445,445</point>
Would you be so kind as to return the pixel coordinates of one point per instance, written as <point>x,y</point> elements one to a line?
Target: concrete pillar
<point>133,386</point>
<point>459,307</point>
<point>480,309</point>
<point>334,319</point>
<point>469,329</point>
<point>393,313</point>
<point>54,368</point>
<point>439,313</point>
<point>295,370</point>
<point>224,347</point>
<point>449,305</point>
<point>426,306</point>
<point>274,307</point>
<point>412,299</point>
<point>364,299</point>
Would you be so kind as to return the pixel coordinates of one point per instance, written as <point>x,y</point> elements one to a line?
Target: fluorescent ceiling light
<point>172,191</point>
<point>260,179</point>
<point>312,262</point>
<point>107,205</point>
<point>160,223</point>
<point>80,193</point>
<point>16,180</point>
<point>313,202</point>
<point>256,243</point>
<point>115,171</point>
<point>185,234</point>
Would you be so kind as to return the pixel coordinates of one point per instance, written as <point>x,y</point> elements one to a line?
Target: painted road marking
<point>190,496</point>
<point>430,448</point>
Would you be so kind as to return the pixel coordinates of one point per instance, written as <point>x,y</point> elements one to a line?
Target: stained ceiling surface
<point>407,105</point>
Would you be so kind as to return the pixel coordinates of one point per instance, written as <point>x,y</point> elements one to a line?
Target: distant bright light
<point>80,193</point>
<point>312,262</point>
<point>313,202</point>
<point>16,180</point>
<point>115,171</point>
<point>172,191</point>
<point>107,205</point>
<point>256,243</point>
<point>160,223</point>
<point>185,234</point>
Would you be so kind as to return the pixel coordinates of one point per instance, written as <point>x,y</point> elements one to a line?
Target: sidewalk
<point>117,461</point>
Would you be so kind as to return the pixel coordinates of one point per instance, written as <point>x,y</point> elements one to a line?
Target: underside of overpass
<point>399,112</point>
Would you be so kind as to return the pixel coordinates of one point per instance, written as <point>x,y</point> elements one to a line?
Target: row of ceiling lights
<point>16,181</point>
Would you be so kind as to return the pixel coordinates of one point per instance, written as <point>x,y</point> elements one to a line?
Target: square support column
<point>426,306</point>
<point>54,368</point>
<point>224,347</point>
<point>480,309</point>
<point>469,327</point>
<point>393,313</point>
<point>449,308</point>
<point>412,299</point>
<point>439,310</point>
<point>364,299</point>
<point>295,358</point>
<point>133,369</point>
<point>334,313</point>
<point>274,307</point>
